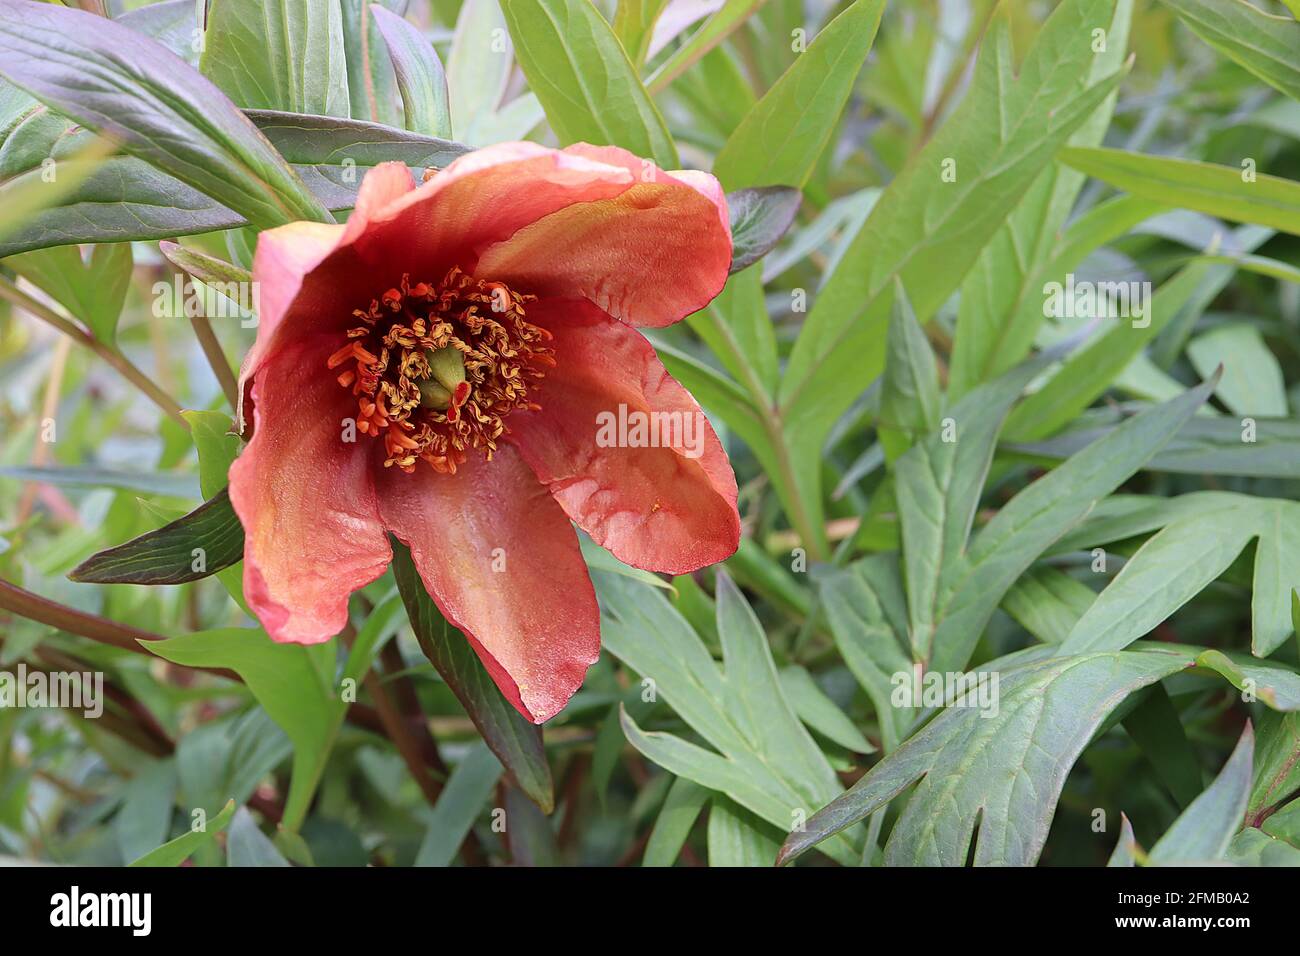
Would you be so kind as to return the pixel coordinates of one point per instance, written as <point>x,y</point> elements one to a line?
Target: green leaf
<point>203,542</point>
<point>124,198</point>
<point>1047,603</point>
<point>1273,684</point>
<point>759,218</point>
<point>1088,372</point>
<point>1277,764</point>
<point>1184,557</point>
<point>213,434</point>
<point>29,197</point>
<point>1170,569</point>
<point>1202,446</point>
<point>458,806</point>
<point>676,819</point>
<point>207,269</point>
<point>529,834</point>
<point>607,750</point>
<point>867,611</point>
<point>228,758</point>
<point>372,84</point>
<point>1202,832</point>
<point>1265,45</point>
<point>293,847</point>
<point>598,559</point>
<point>930,232</point>
<point>1001,306</point>
<point>145,818</point>
<point>381,624</point>
<point>110,78</point>
<point>1253,847</point>
<point>420,77</point>
<point>287,55</point>
<point>764,758</point>
<point>819,712</point>
<point>332,155</point>
<point>970,586</point>
<point>739,838</point>
<point>634,22</point>
<point>1252,378</point>
<point>163,484</point>
<point>246,845</point>
<point>780,140</point>
<point>292,682</point>
<point>938,487</point>
<point>1124,853</point>
<point>171,22</point>
<point>738,330</point>
<point>910,403</point>
<point>92,289</point>
<point>1156,728</point>
<point>729,18</point>
<point>177,851</point>
<point>516,742</point>
<point>584,80</point>
<point>1004,773</point>
<point>1189,184</point>
<point>757,569</point>
<point>477,68</point>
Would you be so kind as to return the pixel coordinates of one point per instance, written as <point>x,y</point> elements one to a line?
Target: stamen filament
<point>439,366</point>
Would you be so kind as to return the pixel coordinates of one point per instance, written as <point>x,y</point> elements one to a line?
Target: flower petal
<point>649,256</point>
<point>643,169</point>
<point>283,259</point>
<point>503,565</point>
<point>310,277</point>
<point>381,188</point>
<point>306,499</point>
<point>668,508</point>
<point>477,201</point>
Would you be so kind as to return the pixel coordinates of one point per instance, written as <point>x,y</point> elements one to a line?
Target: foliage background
<point>897,300</point>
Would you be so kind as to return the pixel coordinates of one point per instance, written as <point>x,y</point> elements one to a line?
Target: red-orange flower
<point>437,367</point>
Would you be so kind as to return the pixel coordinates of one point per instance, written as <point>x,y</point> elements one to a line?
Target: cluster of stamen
<point>436,368</point>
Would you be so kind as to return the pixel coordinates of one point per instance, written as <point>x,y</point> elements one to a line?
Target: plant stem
<point>36,608</point>
<point>109,354</point>
<point>407,746</point>
<point>409,704</point>
<point>216,358</point>
<point>770,418</point>
<point>49,407</point>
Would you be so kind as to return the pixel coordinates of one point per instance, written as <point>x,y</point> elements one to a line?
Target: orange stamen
<point>504,357</point>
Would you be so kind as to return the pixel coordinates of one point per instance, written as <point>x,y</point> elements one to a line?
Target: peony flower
<point>435,369</point>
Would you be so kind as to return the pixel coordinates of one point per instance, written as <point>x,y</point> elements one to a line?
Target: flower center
<point>436,368</point>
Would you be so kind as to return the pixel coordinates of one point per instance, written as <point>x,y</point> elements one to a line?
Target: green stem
<point>216,358</point>
<point>112,356</point>
<point>770,417</point>
<point>36,608</point>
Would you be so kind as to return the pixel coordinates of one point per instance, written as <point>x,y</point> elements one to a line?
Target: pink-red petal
<point>306,499</point>
<point>284,258</point>
<point>669,506</point>
<point>502,562</point>
<point>310,277</point>
<point>649,256</point>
